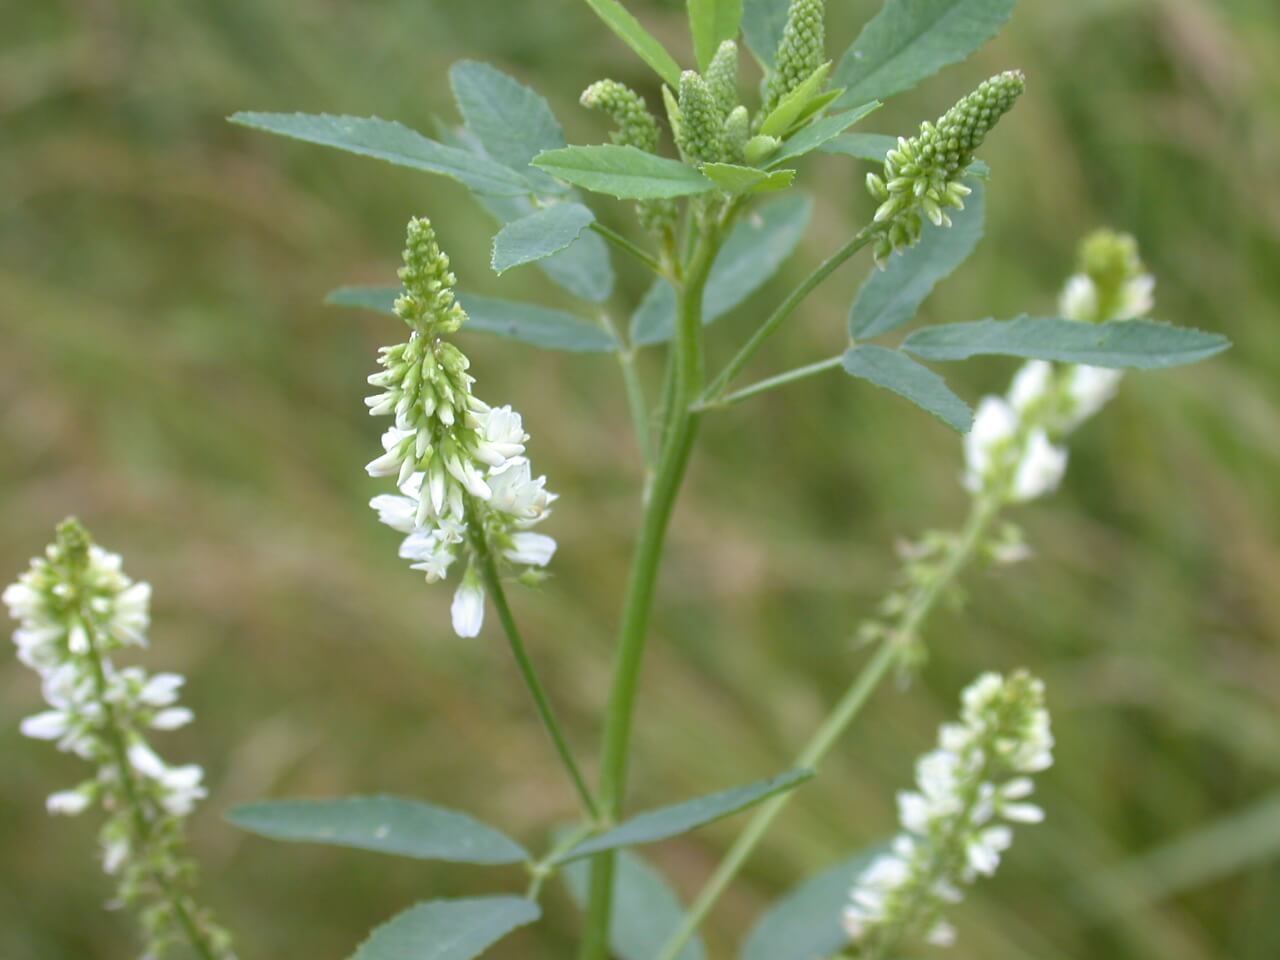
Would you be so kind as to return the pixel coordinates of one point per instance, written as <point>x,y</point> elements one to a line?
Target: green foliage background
<point>167,371</point>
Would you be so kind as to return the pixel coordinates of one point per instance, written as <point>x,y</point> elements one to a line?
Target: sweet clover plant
<point>715,175</point>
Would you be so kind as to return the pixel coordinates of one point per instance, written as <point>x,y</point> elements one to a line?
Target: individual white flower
<point>49,725</point>
<point>146,761</point>
<point>1138,297</point>
<point>429,552</point>
<point>517,494</point>
<point>68,803</point>
<point>161,689</point>
<point>181,788</point>
<point>1079,299</point>
<point>394,442</point>
<point>1040,469</point>
<point>131,614</point>
<point>994,424</point>
<point>1090,389</point>
<point>502,436</point>
<point>398,513</point>
<point>1031,384</point>
<point>956,823</point>
<point>468,606</point>
<point>530,549</point>
<point>172,719</point>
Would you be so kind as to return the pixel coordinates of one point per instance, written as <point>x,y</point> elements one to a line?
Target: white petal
<point>468,608</point>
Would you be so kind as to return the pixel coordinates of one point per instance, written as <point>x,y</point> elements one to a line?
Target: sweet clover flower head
<point>701,137</point>
<point>1012,452</point>
<point>722,77</point>
<point>635,127</point>
<point>958,821</point>
<point>922,176</point>
<point>801,51</point>
<point>75,608</point>
<point>464,484</point>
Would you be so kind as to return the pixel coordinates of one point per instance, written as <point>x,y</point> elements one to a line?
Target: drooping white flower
<point>1040,469</point>
<point>468,606</point>
<point>530,549</point>
<point>1090,389</point>
<point>956,822</point>
<point>1032,384</point>
<point>68,803</point>
<point>994,425</point>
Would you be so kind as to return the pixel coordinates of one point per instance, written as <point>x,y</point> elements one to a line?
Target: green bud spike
<point>922,175</point>
<point>427,304</point>
<point>701,136</point>
<point>627,109</point>
<point>737,130</point>
<point>722,77</point>
<point>73,543</point>
<point>800,51</point>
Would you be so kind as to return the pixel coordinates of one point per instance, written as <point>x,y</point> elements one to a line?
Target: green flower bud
<point>722,77</point>
<point>427,304</point>
<point>627,109</point>
<point>800,51</point>
<point>760,148</point>
<point>1112,283</point>
<point>701,137</point>
<point>737,130</point>
<point>922,175</point>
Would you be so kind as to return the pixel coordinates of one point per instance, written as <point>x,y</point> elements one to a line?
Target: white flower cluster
<point>1011,453</point>
<point>75,607</point>
<point>956,824</point>
<point>459,463</point>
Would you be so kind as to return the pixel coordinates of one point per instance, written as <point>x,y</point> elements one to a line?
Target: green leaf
<point>623,172</point>
<point>736,179</point>
<point>819,132</point>
<point>512,122</point>
<point>646,910</point>
<point>762,24</point>
<point>407,828</point>
<point>1142,344</point>
<point>713,22</point>
<point>864,146</point>
<point>639,39</point>
<point>805,924</point>
<point>891,297</point>
<point>793,105</point>
<point>448,929</point>
<point>539,235</point>
<point>755,249</point>
<point>526,322</point>
<point>390,141</point>
<point>672,821</point>
<point>899,373</point>
<point>909,40</point>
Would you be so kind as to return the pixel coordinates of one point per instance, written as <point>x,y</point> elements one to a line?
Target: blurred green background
<point>168,372</point>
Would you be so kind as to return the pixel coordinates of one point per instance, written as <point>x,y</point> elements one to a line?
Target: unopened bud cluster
<point>76,608</point>
<point>635,127</point>
<point>801,51</point>
<point>457,461</point>
<point>1013,452</point>
<point>956,824</point>
<point>922,176</point>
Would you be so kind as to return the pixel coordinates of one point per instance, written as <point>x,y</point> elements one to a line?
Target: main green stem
<point>493,583</point>
<point>141,822</point>
<point>921,604</point>
<point>644,572</point>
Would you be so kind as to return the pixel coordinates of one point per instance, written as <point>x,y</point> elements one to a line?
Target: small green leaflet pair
<point>463,929</point>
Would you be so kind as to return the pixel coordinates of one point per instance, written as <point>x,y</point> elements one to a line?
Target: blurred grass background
<point>167,372</point>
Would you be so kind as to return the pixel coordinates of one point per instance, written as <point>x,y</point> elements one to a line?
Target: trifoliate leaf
<point>712,22</point>
<point>646,910</point>
<point>539,235</point>
<point>805,924</point>
<point>909,40</point>
<point>448,929</point>
<point>407,828</point>
<point>679,818</point>
<point>899,373</point>
<point>1141,344</point>
<point>623,172</point>
<point>642,43</point>
<point>755,249</point>
<point>393,142</point>
<point>891,297</point>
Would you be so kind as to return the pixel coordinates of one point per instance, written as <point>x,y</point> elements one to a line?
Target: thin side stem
<point>784,310</point>
<point>636,403</point>
<point>141,821</point>
<point>781,380</point>
<point>634,629</point>
<point>493,583</point>
<point>626,246</point>
<point>921,604</point>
